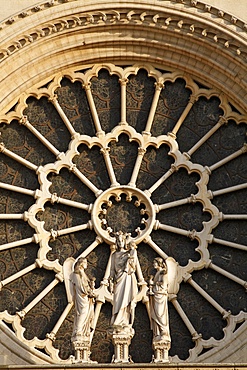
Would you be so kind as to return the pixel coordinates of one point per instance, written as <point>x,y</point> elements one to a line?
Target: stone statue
<point>163,284</point>
<point>124,289</point>
<point>159,301</point>
<point>83,300</point>
<point>122,274</point>
<point>80,292</point>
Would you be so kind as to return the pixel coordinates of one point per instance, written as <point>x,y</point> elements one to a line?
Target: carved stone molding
<point>134,199</point>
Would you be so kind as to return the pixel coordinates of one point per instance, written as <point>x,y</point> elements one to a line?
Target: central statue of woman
<point>122,274</point>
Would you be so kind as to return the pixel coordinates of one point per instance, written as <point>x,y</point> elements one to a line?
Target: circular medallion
<point>123,208</point>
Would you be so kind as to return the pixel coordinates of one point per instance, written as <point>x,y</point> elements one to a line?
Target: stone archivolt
<point>164,29</point>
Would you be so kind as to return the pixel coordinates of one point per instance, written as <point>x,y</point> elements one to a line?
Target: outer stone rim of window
<point>144,140</point>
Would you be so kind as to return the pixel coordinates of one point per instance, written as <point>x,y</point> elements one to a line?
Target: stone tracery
<point>100,196</point>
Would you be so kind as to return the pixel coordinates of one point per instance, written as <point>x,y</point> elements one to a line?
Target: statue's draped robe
<point>123,265</point>
<point>159,307</point>
<point>84,311</point>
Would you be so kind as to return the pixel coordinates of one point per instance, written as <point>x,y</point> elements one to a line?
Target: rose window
<point>152,153</point>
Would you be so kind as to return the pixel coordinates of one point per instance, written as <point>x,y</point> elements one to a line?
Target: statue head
<point>160,262</point>
<point>80,263</point>
<point>132,245</point>
<point>120,239</point>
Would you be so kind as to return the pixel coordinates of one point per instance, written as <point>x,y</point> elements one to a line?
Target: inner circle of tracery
<point>108,217</point>
<point>151,152</point>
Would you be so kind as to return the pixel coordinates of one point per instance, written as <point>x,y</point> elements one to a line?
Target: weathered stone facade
<point>94,96</point>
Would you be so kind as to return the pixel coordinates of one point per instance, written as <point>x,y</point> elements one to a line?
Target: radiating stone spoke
<point>91,247</point>
<point>17,189</point>
<point>36,300</point>
<point>12,216</point>
<point>111,173</point>
<point>70,203</point>
<point>204,294</point>
<point>63,116</point>
<point>227,190</point>
<point>20,273</point>
<point>229,158</point>
<point>193,99</point>
<point>24,121</point>
<point>18,243</point>
<point>158,88</point>
<point>227,274</point>
<point>161,180</point>
<point>175,203</point>
<point>227,243</point>
<point>155,247</point>
<point>185,319</point>
<point>69,230</point>
<point>97,124</point>
<point>176,230</point>
<point>85,181</point>
<point>52,334</point>
<point>18,158</point>
<point>221,121</point>
<point>234,217</point>
<point>123,82</point>
<point>137,166</point>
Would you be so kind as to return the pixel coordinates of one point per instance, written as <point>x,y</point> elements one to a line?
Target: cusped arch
<point>170,36</point>
<point>189,36</point>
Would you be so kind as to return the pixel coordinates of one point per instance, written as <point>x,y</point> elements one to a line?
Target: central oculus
<point>123,208</point>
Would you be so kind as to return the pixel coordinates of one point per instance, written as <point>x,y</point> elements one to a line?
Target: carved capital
<point>38,263</point>
<point>193,98</point>
<point>105,151</point>
<point>2,147</point>
<point>159,86</point>
<point>54,198</point>
<point>59,277</point>
<point>53,99</point>
<point>141,151</point>
<point>123,81</point>
<point>21,314</point>
<point>193,2</point>
<point>186,277</point>
<point>196,336</point>
<point>73,168</point>
<point>244,148</point>
<point>87,86</point>
<point>222,120</point>
<point>51,336</point>
<point>23,120</point>
<point>192,234</point>
<point>53,234</point>
<point>226,314</point>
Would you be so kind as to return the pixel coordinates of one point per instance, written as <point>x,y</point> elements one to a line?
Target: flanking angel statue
<point>80,291</point>
<point>126,286</point>
<point>160,286</point>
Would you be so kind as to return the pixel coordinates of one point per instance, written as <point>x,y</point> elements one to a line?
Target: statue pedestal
<point>161,348</point>
<point>82,350</point>
<point>121,339</point>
